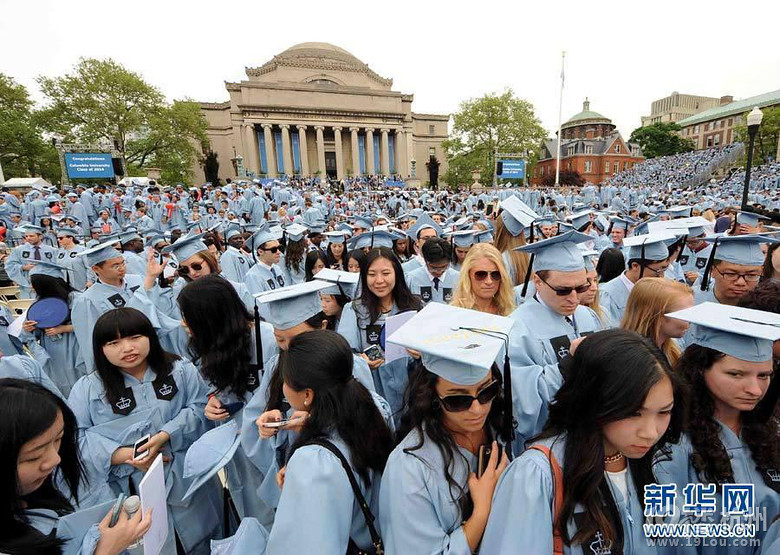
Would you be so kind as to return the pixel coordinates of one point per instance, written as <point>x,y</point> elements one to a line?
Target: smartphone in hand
<point>483,458</point>
<point>137,454</point>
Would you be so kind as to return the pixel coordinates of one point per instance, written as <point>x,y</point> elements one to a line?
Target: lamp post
<point>753,122</point>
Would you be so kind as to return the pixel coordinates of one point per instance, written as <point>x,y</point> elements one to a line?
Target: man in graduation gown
<point>23,258</point>
<point>266,274</point>
<point>435,281</point>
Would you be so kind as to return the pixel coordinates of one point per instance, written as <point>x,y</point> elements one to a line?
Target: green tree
<point>101,101</point>
<point>661,139</point>
<point>23,151</point>
<point>495,121</point>
<point>768,134</point>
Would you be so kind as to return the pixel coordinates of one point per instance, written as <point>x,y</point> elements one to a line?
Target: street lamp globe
<point>755,117</point>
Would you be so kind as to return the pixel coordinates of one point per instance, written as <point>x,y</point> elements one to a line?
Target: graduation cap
<point>587,257</point>
<point>559,253</point>
<point>231,230</point>
<point>344,283</point>
<point>463,239</point>
<point>677,211</point>
<point>71,217</point>
<point>295,232</point>
<point>743,333</point>
<point>485,236</point>
<point>129,235</point>
<point>101,252</point>
<point>336,236</point>
<point>363,222</point>
<point>423,222</point>
<point>580,219</point>
<point>263,235</point>
<point>460,345</point>
<point>344,226</point>
<point>186,246</point>
<point>649,247</point>
<point>46,268</point>
<point>517,215</point>
<point>373,238</point>
<point>749,218</point>
<point>29,228</point>
<point>744,250</point>
<point>209,454</point>
<point>293,305</point>
<point>68,232</point>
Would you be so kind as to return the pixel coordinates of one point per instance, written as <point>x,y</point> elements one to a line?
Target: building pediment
<point>321,63</point>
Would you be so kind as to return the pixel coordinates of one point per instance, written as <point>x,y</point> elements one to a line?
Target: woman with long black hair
<point>294,256</point>
<point>223,344</point>
<point>41,474</point>
<point>63,361</point>
<point>435,498</point>
<point>336,252</point>
<point>383,293</point>
<point>732,437</point>
<point>618,406</point>
<point>341,421</point>
<point>315,261</point>
<point>139,389</point>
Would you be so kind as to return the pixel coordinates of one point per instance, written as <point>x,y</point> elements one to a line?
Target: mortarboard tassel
<point>528,275</point>
<point>705,280</point>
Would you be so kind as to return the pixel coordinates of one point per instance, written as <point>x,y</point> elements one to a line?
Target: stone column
<point>400,153</point>
<point>385,152</point>
<point>355,153</point>
<point>320,151</point>
<point>339,153</point>
<point>409,152</point>
<point>304,149</point>
<point>287,150</point>
<point>252,152</point>
<point>370,151</point>
<point>269,149</point>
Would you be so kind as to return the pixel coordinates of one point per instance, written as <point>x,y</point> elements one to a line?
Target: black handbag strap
<point>375,539</point>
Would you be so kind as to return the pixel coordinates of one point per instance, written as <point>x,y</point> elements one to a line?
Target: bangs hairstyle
<point>126,322</point>
<point>607,379</point>
<point>650,299</point>
<point>464,297</point>
<point>221,338</point>
<point>403,297</point>
<point>26,411</point>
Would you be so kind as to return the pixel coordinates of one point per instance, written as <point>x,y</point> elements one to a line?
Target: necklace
<point>613,458</point>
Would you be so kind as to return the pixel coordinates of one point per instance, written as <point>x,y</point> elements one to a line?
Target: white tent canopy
<point>25,183</point>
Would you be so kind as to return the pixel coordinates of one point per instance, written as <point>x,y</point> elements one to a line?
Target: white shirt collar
<point>627,282</point>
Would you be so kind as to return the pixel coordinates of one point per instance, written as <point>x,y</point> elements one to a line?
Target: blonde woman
<point>484,283</point>
<point>591,297</point>
<point>516,262</point>
<point>649,300</point>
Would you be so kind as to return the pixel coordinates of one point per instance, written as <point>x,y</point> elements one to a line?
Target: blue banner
<point>377,163</point>
<point>86,165</point>
<point>362,151</point>
<point>391,155</point>
<point>261,146</point>
<point>279,153</point>
<point>296,152</point>
<point>512,169</point>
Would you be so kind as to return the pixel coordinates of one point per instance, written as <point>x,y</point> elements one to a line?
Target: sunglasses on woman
<point>481,275</point>
<point>462,402</point>
<point>195,267</point>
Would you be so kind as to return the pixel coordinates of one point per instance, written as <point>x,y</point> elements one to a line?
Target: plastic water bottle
<point>131,506</point>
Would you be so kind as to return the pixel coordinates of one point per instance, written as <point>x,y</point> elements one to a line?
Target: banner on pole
<point>512,169</point>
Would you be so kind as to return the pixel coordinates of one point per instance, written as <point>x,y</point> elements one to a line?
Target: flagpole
<point>560,123</point>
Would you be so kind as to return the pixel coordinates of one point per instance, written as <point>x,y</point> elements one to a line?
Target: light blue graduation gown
<point>412,264</point>
<point>134,263</point>
<point>421,284</point>
<point>21,256</point>
<point>77,530</point>
<point>613,297</point>
<point>77,276</point>
<point>9,345</point>
<point>235,264</point>
<point>64,363</point>
<point>180,414</point>
<point>251,538</point>
<point>694,261</point>
<point>317,511</point>
<point>264,278</point>
<point>521,514</point>
<point>101,298</point>
<point>293,275</point>
<point>529,293</point>
<point>390,379</point>
<point>416,511</point>
<point>539,340</point>
<point>678,469</point>
<point>706,296</point>
<point>27,368</point>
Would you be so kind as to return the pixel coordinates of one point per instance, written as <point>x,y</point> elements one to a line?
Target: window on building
<point>709,142</point>
<point>606,167</point>
<point>431,130</point>
<point>731,121</point>
<point>570,150</point>
<point>588,166</point>
<point>617,148</point>
<point>588,149</point>
<point>542,171</point>
<point>616,168</point>
<point>716,139</point>
<point>696,127</point>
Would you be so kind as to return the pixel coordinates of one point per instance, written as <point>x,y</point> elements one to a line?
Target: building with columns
<point>316,110</point>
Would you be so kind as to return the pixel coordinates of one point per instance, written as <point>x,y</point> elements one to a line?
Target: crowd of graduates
<point>388,370</point>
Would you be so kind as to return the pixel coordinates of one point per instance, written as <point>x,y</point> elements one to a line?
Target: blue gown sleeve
<point>407,515</point>
<point>521,513</point>
<point>96,450</point>
<point>13,267</point>
<point>348,327</point>
<point>317,476</point>
<point>190,423</point>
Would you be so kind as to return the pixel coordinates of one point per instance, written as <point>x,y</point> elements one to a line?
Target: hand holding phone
<point>483,458</point>
<point>374,352</point>
<point>138,455</point>
<point>116,510</point>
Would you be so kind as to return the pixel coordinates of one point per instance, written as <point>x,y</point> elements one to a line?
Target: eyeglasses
<point>566,291</point>
<point>657,271</point>
<point>433,268</point>
<point>117,266</point>
<point>481,275</point>
<point>460,403</point>
<point>273,250</point>
<point>194,267</point>
<point>734,276</point>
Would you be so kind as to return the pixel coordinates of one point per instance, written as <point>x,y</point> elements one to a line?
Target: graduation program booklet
<point>154,496</point>
<point>393,323</point>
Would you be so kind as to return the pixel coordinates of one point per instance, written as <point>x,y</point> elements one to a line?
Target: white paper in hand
<point>392,323</point>
<point>154,496</point>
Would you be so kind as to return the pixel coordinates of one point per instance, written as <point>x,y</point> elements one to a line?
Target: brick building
<point>591,146</point>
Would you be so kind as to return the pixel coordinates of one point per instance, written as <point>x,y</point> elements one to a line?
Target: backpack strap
<point>375,538</point>
<point>558,496</point>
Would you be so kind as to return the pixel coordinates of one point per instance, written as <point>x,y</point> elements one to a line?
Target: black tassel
<point>509,424</point>
<point>682,248</point>
<point>258,342</point>
<point>528,275</point>
<point>705,279</point>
